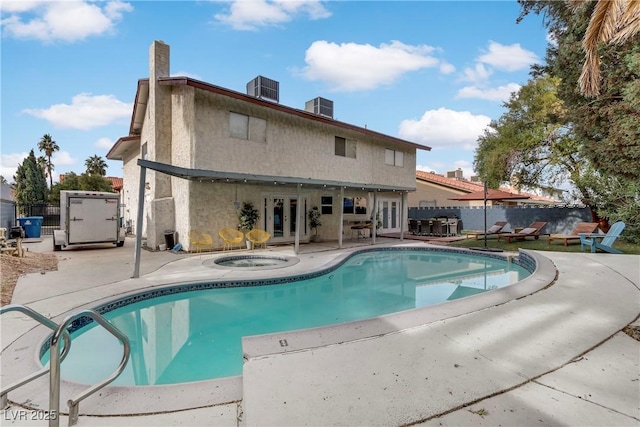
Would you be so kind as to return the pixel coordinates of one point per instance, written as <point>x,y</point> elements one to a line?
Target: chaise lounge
<point>532,230</point>
<point>580,228</point>
<point>494,230</point>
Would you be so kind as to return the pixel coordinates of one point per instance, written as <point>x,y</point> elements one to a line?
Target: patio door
<point>282,214</point>
<point>389,215</point>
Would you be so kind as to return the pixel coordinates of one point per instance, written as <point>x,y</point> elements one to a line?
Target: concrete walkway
<point>556,357</point>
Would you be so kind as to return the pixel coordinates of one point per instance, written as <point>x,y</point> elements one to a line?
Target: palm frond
<point>629,24</point>
<point>589,80</point>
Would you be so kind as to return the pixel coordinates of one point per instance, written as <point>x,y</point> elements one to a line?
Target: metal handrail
<point>46,322</point>
<point>54,378</point>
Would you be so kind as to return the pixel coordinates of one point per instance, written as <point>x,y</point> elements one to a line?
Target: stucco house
<point>434,190</point>
<point>196,151</point>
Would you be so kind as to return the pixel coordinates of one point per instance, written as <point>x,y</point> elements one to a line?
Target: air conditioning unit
<point>264,88</point>
<point>320,106</point>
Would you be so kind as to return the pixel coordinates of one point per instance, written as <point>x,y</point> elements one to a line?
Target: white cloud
<point>9,164</point>
<point>501,93</point>
<point>445,129</point>
<point>250,15</point>
<point>446,68</point>
<point>186,74</point>
<point>61,158</point>
<point>478,74</point>
<point>104,143</point>
<point>61,20</point>
<point>363,66</point>
<point>508,58</point>
<point>85,112</point>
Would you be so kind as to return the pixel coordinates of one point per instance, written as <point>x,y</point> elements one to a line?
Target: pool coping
<point>123,400</point>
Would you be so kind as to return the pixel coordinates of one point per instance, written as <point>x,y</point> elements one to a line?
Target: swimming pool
<point>193,332</point>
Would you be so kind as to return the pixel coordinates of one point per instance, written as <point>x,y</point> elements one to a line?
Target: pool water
<point>196,335</point>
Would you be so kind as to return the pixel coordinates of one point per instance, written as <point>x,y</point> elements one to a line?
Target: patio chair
<point>231,237</point>
<point>532,230</point>
<point>199,241</point>
<point>495,229</point>
<point>580,228</point>
<point>258,237</point>
<point>607,239</point>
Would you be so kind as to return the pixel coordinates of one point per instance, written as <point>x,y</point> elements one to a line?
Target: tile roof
<point>470,187</point>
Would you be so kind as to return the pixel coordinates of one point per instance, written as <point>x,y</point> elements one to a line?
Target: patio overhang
<point>206,175</point>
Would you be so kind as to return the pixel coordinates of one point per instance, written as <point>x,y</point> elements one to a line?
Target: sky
<point>431,72</point>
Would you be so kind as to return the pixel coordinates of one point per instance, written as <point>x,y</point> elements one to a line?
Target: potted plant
<point>314,222</point>
<point>248,218</point>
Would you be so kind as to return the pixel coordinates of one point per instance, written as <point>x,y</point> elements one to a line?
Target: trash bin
<point>169,239</point>
<point>32,225</point>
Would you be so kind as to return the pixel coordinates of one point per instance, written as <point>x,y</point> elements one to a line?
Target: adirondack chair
<point>607,239</point>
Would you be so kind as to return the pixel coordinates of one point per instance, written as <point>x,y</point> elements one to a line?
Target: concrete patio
<point>554,357</point>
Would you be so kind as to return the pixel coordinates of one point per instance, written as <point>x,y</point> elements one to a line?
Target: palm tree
<point>96,165</point>
<point>612,21</point>
<point>43,164</point>
<point>49,147</point>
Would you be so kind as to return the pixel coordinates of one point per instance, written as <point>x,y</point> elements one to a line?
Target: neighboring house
<point>434,190</point>
<point>199,151</point>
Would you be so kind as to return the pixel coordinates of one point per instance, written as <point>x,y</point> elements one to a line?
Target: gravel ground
<point>13,267</point>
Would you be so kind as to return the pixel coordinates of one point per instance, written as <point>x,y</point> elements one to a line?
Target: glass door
<point>283,214</point>
<point>389,215</point>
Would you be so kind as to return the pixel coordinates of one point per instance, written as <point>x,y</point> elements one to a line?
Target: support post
<point>138,247</point>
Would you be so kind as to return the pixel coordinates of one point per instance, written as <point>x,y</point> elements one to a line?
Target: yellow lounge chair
<point>231,238</point>
<point>199,241</point>
<point>258,237</point>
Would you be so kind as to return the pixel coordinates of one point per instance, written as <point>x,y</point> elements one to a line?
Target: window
<point>361,205</point>
<point>345,147</point>
<point>246,127</point>
<point>347,205</point>
<point>326,205</point>
<point>393,157</point>
<point>239,126</point>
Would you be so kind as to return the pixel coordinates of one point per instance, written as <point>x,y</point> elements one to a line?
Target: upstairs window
<point>246,127</point>
<point>393,157</point>
<point>345,147</point>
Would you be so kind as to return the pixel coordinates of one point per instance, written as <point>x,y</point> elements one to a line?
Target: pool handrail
<point>54,363</point>
<point>4,394</point>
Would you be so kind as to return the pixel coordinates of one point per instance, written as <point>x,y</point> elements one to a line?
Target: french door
<point>282,212</point>
<point>389,215</point>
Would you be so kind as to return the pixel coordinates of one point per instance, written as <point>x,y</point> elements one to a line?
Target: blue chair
<point>607,239</point>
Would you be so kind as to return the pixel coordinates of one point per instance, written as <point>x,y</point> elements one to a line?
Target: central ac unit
<point>264,88</point>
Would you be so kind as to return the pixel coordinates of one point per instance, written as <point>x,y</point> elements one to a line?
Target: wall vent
<point>320,106</point>
<point>264,88</point>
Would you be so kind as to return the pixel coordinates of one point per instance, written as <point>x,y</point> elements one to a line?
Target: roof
<point>142,97</point>
<point>207,175</point>
<point>491,194</point>
<point>457,184</point>
<point>473,187</point>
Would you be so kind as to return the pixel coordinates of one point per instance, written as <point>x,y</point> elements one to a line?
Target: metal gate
<point>50,215</point>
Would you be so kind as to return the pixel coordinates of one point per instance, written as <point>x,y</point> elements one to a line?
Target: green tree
<point>31,185</point>
<point>49,146</point>
<point>607,125</point>
<point>96,165</point>
<point>533,144</point>
<point>3,180</point>
<point>84,182</point>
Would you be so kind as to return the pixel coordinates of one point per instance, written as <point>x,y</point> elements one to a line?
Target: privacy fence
<point>559,219</point>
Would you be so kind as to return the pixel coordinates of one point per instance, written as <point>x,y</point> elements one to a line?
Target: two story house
<point>196,151</point>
